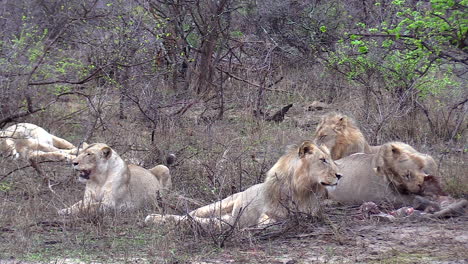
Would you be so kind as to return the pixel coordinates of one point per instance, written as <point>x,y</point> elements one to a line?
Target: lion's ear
<point>106,152</point>
<point>342,122</point>
<point>306,147</point>
<point>396,151</point>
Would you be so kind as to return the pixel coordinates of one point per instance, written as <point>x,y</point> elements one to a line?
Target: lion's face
<point>330,128</point>
<point>404,167</point>
<point>326,136</point>
<point>317,163</point>
<point>90,160</point>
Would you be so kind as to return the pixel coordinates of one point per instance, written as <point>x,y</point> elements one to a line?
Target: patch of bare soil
<point>364,241</point>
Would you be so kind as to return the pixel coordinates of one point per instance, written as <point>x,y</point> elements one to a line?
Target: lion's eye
<point>324,160</point>
<point>408,176</point>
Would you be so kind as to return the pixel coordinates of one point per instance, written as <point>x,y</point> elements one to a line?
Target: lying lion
<point>33,143</point>
<point>294,183</point>
<point>395,174</point>
<point>112,184</point>
<point>29,141</point>
<point>340,134</point>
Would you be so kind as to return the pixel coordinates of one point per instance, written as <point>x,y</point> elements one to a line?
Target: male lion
<point>112,184</point>
<point>294,183</point>
<point>32,142</point>
<point>395,174</point>
<point>340,134</point>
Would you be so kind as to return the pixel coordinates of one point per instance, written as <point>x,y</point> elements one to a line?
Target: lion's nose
<point>338,176</point>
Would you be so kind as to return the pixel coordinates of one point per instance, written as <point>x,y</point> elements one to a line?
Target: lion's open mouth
<point>328,184</point>
<point>85,174</point>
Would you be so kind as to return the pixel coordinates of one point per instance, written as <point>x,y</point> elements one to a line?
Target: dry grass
<point>215,158</point>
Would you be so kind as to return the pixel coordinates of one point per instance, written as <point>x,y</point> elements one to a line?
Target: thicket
<point>403,57</point>
<point>198,77</point>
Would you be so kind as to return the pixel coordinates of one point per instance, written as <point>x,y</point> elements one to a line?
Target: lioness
<point>112,184</point>
<point>395,174</point>
<point>294,183</point>
<point>32,142</point>
<point>340,134</point>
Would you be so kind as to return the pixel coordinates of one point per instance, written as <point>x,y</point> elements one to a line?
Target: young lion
<point>340,134</point>
<point>112,184</point>
<point>32,142</point>
<point>395,174</point>
<point>294,183</point>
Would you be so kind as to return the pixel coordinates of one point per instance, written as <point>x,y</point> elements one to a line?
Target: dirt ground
<point>365,242</point>
<point>340,239</point>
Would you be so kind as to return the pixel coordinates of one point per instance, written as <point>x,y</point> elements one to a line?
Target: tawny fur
<point>111,184</point>
<point>32,142</point>
<point>340,134</point>
<point>395,174</point>
<point>294,183</point>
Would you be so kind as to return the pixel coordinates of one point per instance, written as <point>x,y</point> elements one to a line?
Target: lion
<point>396,174</point>
<point>33,143</point>
<point>30,141</point>
<point>295,183</point>
<point>340,134</point>
<point>111,184</point>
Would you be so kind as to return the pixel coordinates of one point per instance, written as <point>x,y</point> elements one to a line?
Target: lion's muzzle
<point>85,174</point>
<point>332,184</point>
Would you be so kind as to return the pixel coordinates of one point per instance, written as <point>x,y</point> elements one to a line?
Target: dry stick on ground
<point>454,209</point>
<point>24,167</point>
<point>279,115</point>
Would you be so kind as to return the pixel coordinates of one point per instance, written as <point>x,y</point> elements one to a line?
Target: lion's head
<point>403,166</point>
<point>92,161</point>
<point>339,133</point>
<point>303,173</point>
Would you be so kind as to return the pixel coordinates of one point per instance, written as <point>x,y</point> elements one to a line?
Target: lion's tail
<point>170,159</point>
<point>163,174</point>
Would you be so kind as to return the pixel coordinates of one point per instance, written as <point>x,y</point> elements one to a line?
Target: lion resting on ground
<point>32,142</point>
<point>294,183</point>
<point>395,174</point>
<point>340,134</point>
<point>112,184</point>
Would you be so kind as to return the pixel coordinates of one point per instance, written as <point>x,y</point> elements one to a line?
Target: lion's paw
<point>158,218</point>
<point>154,218</point>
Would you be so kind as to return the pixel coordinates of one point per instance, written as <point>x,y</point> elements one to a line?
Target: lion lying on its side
<point>295,182</point>
<point>112,184</point>
<point>395,174</point>
<point>32,142</point>
<point>340,134</point>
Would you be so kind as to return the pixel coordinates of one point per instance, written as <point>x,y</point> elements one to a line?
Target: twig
<point>254,84</point>
<point>24,167</point>
<point>310,235</point>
